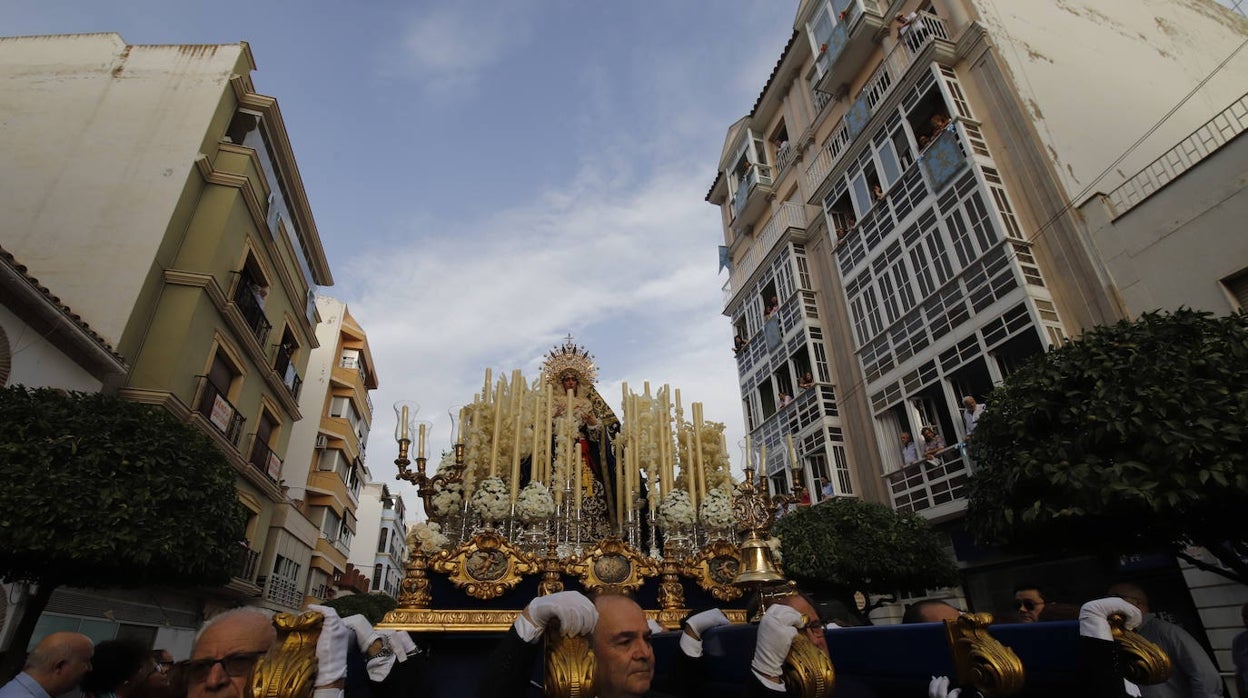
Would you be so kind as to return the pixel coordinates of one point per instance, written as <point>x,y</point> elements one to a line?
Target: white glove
<point>380,660</point>
<point>654,626</point>
<point>402,644</point>
<point>331,648</point>
<point>1093,615</point>
<point>576,614</point>
<point>775,635</point>
<point>691,645</point>
<point>939,688</point>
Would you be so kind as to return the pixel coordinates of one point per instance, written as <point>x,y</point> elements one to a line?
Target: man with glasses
<point>1029,601</point>
<point>225,652</point>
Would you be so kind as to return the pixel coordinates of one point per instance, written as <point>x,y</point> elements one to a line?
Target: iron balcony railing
<point>220,412</point>
<point>265,460</point>
<point>283,591</point>
<point>248,303</point>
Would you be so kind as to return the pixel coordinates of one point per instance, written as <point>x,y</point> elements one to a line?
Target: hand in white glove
<point>939,688</point>
<point>695,626</point>
<point>775,635</point>
<point>331,648</point>
<point>576,614</point>
<point>1093,617</point>
<point>654,626</point>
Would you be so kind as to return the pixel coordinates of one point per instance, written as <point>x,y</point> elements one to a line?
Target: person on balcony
<point>877,192</point>
<point>738,343</point>
<point>970,415</point>
<point>933,443</point>
<point>773,304</point>
<point>909,451</point>
<point>940,122</point>
<point>807,381</point>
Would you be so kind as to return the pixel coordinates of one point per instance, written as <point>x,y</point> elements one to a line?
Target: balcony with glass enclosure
<point>842,35</point>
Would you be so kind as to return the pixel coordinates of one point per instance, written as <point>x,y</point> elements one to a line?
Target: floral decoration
<point>428,537</point>
<point>675,510</point>
<point>491,499</point>
<point>534,503</point>
<point>715,511</point>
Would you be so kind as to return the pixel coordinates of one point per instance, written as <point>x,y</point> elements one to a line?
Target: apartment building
<point>331,442</point>
<point>158,193</point>
<point>381,545</point>
<point>901,208</point>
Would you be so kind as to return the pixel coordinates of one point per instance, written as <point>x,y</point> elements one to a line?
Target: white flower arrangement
<point>534,503</point>
<point>428,537</point>
<point>448,500</point>
<point>675,510</point>
<point>491,500</point>
<point>716,510</point>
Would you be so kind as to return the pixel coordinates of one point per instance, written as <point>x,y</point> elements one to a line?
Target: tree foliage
<point>374,606</point>
<point>98,491</point>
<point>847,545</point>
<point>1131,438</point>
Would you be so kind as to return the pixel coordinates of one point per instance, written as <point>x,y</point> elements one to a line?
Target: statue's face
<point>570,382</point>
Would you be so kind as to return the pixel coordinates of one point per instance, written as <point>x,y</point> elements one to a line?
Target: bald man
<point>225,652</point>
<point>54,667</point>
<point>1195,675</point>
<point>621,643</point>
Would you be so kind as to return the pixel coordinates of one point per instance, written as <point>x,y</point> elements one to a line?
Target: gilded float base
<point>496,620</point>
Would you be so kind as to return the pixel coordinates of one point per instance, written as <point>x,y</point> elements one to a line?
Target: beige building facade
<point>332,441</point>
<point>902,211</point>
<point>158,192</point>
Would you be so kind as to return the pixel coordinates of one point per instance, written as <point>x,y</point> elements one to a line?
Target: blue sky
<point>487,177</point>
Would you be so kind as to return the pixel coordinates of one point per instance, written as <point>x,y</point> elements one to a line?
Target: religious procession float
<point>550,489</point>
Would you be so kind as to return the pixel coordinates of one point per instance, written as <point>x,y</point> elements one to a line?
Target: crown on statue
<point>570,358</point>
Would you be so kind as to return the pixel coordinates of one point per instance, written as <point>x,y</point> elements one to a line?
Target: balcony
<point>219,412</point>
<point>926,29</point>
<point>248,304</point>
<point>248,559</point>
<point>789,216</point>
<point>850,43</point>
<point>752,191</point>
<point>285,368</point>
<point>265,460</point>
<point>933,488</point>
<point>283,591</point>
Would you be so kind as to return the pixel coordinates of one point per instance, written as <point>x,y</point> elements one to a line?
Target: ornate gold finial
<point>570,358</point>
<point>288,669</point>
<point>808,672</point>
<point>570,664</point>
<point>979,659</point>
<point>1143,662</point>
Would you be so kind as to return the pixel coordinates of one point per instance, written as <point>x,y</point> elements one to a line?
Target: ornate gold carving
<point>715,567</point>
<point>552,569</point>
<point>808,672</point>
<point>288,669</point>
<point>426,620</point>
<point>671,592</point>
<point>485,565</point>
<point>569,358</point>
<point>1143,661</point>
<point>414,590</point>
<point>979,659</point>
<point>613,566</point>
<point>570,664</point>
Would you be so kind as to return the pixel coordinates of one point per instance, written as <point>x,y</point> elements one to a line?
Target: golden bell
<point>757,569</point>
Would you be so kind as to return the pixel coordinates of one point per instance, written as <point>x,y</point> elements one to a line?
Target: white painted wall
<point>367,528</point>
<point>99,139</point>
<point>1098,74</point>
<point>37,362</point>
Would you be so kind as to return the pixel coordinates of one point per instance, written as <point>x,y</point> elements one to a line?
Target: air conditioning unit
<point>322,441</point>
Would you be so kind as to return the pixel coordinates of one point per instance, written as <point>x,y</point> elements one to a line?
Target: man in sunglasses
<point>1029,601</point>
<point>225,652</point>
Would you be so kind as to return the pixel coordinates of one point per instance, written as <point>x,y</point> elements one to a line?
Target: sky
<point>487,177</point>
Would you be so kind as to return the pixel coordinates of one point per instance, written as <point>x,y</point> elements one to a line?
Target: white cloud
<point>450,44</point>
<point>629,270</point>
